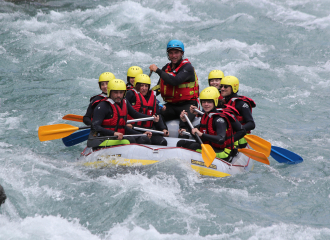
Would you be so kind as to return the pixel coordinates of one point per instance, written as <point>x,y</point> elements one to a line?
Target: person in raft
<point>214,79</point>
<point>110,116</point>
<point>103,84</point>
<point>229,88</point>
<point>219,129</point>
<point>132,72</point>
<point>143,100</point>
<point>178,83</point>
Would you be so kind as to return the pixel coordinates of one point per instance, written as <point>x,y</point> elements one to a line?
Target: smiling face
<point>175,55</point>
<point>104,86</point>
<point>225,90</point>
<point>143,88</point>
<point>131,80</point>
<point>215,82</point>
<point>207,105</point>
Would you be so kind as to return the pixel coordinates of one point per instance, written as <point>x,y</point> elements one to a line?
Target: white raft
<point>137,154</point>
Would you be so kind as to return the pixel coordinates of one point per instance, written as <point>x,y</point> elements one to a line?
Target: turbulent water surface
<point>51,54</point>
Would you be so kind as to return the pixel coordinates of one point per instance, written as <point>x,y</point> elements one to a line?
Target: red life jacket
<point>103,95</point>
<point>118,121</point>
<point>206,126</point>
<point>232,103</point>
<point>183,92</point>
<point>129,87</point>
<point>229,109</point>
<point>145,107</point>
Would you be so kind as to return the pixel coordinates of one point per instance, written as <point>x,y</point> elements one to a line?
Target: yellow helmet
<point>116,84</point>
<point>133,71</point>
<point>142,78</point>
<point>232,81</point>
<point>210,93</point>
<point>106,77</point>
<point>216,74</point>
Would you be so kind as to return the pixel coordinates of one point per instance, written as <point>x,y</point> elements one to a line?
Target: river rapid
<point>51,54</point>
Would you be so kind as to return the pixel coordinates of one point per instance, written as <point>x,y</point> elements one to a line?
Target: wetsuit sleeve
<point>238,129</point>
<point>134,114</point>
<point>160,124</point>
<point>130,97</point>
<point>186,74</point>
<point>220,125</point>
<point>102,111</point>
<point>87,118</point>
<point>245,111</point>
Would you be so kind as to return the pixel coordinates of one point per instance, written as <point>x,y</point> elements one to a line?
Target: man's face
<point>175,55</point>
<point>117,95</point>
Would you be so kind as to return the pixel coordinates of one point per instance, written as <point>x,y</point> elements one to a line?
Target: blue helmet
<point>175,44</point>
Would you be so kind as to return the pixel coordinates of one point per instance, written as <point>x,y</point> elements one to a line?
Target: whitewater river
<point>51,54</point>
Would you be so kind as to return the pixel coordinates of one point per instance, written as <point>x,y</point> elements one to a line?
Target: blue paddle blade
<point>76,138</point>
<point>285,156</point>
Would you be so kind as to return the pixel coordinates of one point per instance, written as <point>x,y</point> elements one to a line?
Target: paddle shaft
<point>79,118</point>
<point>140,119</point>
<point>191,126</point>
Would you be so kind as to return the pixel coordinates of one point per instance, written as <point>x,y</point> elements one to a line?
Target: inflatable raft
<point>137,154</point>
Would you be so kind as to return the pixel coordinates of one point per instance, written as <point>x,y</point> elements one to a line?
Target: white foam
<point>44,227</point>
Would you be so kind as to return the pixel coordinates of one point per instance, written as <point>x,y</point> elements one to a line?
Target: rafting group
<point>226,117</point>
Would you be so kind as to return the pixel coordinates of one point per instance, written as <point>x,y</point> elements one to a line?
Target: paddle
<point>208,153</point>
<point>257,156</point>
<point>56,131</point>
<point>76,138</point>
<point>73,117</point>
<point>259,144</point>
<point>79,118</point>
<point>82,136</point>
<point>281,155</point>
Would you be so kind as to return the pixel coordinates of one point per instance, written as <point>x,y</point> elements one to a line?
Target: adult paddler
<point>178,83</point>
<point>110,115</point>
<point>103,84</point>
<point>229,88</point>
<point>143,100</point>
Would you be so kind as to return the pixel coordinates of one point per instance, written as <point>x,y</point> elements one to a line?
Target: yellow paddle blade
<point>259,144</point>
<point>56,131</point>
<point>208,154</point>
<point>73,117</point>
<point>258,156</point>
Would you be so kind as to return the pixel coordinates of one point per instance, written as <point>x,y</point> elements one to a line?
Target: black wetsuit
<point>104,111</point>
<point>173,110</point>
<point>156,139</point>
<point>244,110</point>
<point>87,119</point>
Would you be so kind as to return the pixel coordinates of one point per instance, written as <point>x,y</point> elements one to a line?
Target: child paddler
<point>103,84</point>
<point>219,129</point>
<point>229,88</point>
<point>144,101</point>
<point>214,79</point>
<point>110,115</point>
<point>132,72</point>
